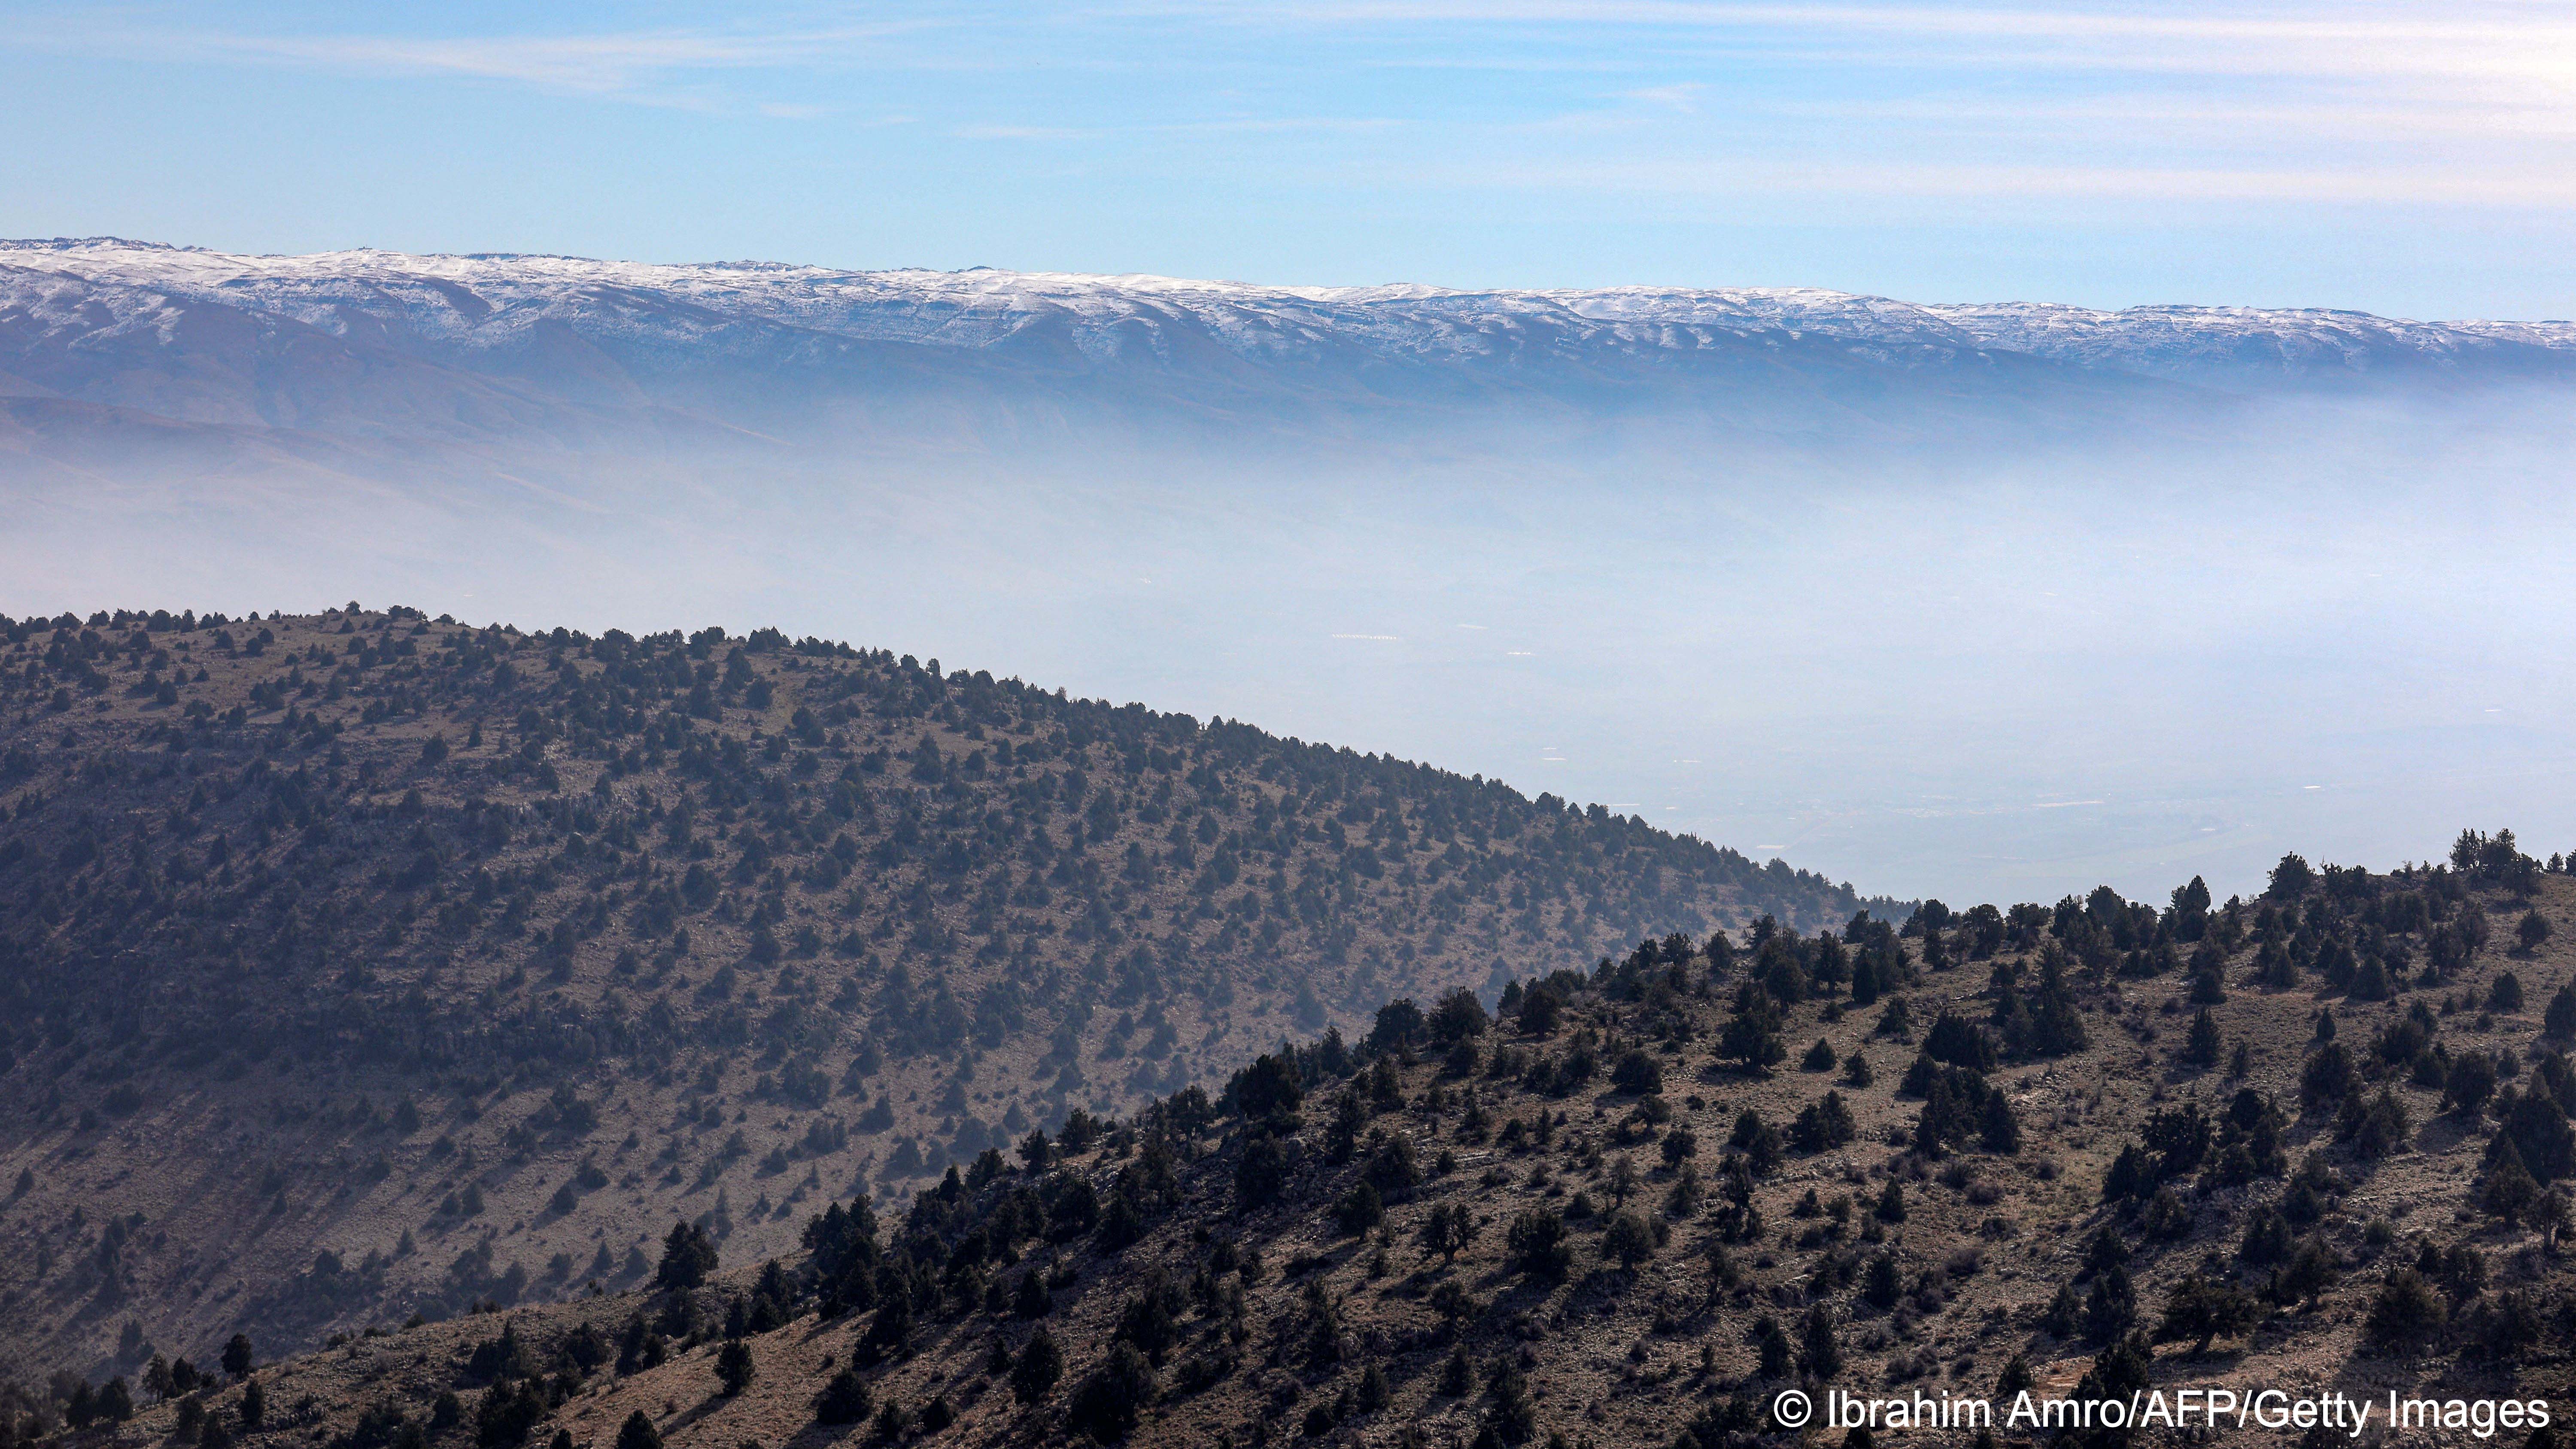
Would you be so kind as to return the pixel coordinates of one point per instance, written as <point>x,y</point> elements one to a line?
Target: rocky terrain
<point>364,964</point>
<point>2314,1140</point>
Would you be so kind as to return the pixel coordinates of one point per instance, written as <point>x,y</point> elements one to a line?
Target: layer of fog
<point>1975,677</point>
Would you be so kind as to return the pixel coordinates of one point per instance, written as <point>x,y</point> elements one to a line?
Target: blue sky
<point>2417,159</point>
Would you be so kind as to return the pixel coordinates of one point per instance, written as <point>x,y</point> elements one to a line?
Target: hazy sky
<point>2413,159</point>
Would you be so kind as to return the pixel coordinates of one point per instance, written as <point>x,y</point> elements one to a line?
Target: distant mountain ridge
<point>488,302</point>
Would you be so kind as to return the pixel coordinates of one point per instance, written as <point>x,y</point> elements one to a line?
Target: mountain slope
<point>329,932</point>
<point>1601,1218</point>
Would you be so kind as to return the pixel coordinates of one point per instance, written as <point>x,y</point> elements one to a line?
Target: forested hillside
<point>362,963</point>
<point>2318,1141</point>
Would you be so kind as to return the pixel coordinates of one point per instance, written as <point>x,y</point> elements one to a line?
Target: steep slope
<point>461,959</point>
<point>1603,1218</point>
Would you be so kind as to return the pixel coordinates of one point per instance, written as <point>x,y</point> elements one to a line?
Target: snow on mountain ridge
<point>495,301</point>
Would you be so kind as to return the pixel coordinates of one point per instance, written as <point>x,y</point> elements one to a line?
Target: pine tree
<point>2000,1132</point>
<point>2202,1045</point>
<point>1880,1284</point>
<point>1538,1245</point>
<point>2560,1020</point>
<point>1820,1349</point>
<point>1751,1037</point>
<point>2511,1193</point>
<point>1114,1395</point>
<point>1032,1299</point>
<point>638,1432</point>
<point>1039,1368</point>
<point>1771,1342</point>
<point>844,1399</point>
<point>688,1256</point>
<point>2533,930</point>
<point>115,1401</point>
<point>734,1367</point>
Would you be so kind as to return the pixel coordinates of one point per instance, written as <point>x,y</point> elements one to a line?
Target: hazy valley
<point>1930,597</point>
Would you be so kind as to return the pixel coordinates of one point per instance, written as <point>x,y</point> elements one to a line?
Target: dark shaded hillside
<point>361,963</point>
<point>2317,1140</point>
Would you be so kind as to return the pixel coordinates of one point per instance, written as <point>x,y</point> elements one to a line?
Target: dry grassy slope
<point>1614,1359</point>
<point>234,943</point>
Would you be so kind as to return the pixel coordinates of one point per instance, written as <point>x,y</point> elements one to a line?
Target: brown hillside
<point>2246,1203</point>
<point>364,964</point>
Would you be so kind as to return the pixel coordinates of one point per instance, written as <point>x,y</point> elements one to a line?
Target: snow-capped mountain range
<point>494,301</point>
<point>383,344</point>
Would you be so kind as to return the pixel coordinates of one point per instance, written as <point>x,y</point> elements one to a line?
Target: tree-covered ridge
<point>416,914</point>
<point>391,798</point>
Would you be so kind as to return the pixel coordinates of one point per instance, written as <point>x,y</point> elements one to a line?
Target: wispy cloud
<point>2540,186</point>
<point>2471,104</point>
<point>1025,133</point>
<point>2482,42</point>
<point>2470,50</point>
<point>597,63</point>
<point>2529,46</point>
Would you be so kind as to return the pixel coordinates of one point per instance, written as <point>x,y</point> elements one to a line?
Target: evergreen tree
<point>1820,1349</point>
<point>115,1401</point>
<point>2510,1193</point>
<point>1880,1284</point>
<point>1359,1209</point>
<point>638,1431</point>
<point>2505,993</point>
<point>1114,1395</point>
<point>2405,1312</point>
<point>889,1334</point>
<point>688,1256</point>
<point>1751,1037</point>
<point>1447,1229</point>
<point>2208,976</point>
<point>1628,1241</point>
<point>1771,1342</point>
<point>844,1399</point>
<point>2560,1020</point>
<point>2201,1046</point>
<point>2201,1310</point>
<point>1031,1299</point>
<point>1537,1240</point>
<point>1039,1368</point>
<point>2000,1132</point>
<point>734,1367</point>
